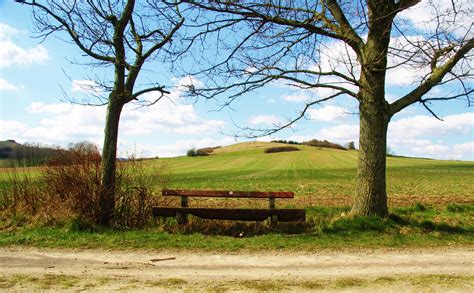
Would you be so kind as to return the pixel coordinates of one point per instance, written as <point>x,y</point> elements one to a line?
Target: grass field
<point>431,201</point>
<point>319,176</point>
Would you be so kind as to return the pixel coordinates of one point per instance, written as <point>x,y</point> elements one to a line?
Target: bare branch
<point>436,76</point>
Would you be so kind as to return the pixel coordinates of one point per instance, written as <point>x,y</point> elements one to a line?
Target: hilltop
<point>13,153</point>
<point>315,174</point>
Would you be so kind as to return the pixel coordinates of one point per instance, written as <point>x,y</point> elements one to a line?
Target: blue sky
<point>35,77</point>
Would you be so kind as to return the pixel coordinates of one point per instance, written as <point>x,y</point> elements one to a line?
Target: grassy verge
<point>414,226</point>
<point>68,282</point>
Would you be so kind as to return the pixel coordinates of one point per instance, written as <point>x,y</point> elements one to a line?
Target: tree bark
<point>371,194</point>
<point>109,156</point>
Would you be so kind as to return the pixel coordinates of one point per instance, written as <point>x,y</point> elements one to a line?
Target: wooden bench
<point>272,213</point>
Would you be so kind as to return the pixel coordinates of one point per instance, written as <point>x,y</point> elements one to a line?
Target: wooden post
<point>182,218</point>
<point>273,218</point>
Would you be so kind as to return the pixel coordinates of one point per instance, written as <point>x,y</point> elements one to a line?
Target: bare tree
<point>122,36</point>
<point>338,49</point>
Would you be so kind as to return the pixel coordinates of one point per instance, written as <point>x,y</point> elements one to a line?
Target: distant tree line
<point>201,152</point>
<point>28,154</point>
<point>286,141</point>
<point>34,154</point>
<point>319,143</point>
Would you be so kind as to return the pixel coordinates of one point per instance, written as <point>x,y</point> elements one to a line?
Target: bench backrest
<point>222,193</point>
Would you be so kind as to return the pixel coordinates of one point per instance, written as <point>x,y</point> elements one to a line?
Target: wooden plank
<point>223,193</point>
<point>283,215</point>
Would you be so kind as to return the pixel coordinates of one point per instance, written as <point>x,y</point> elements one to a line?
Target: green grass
<point>317,173</point>
<point>415,226</point>
<point>319,177</point>
<point>436,282</point>
<point>311,173</point>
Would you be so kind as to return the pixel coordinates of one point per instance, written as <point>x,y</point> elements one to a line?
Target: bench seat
<point>242,214</point>
<point>283,215</point>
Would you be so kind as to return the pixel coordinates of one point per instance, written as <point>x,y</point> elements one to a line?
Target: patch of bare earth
<point>438,270</point>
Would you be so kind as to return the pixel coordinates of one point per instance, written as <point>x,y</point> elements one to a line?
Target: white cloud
<point>61,123</point>
<point>391,97</point>
<point>12,54</point>
<point>428,149</point>
<point>336,56</point>
<point>328,114</point>
<point>185,82</point>
<point>40,107</point>
<point>341,134</point>
<point>67,123</point>
<point>429,26</point>
<point>464,150</point>
<point>422,125</point>
<point>168,116</point>
<point>404,62</point>
<point>6,86</point>
<point>177,148</point>
<point>7,31</point>
<point>11,129</point>
<point>431,150</point>
<point>423,136</point>
<point>423,16</point>
<point>296,98</point>
<point>86,86</point>
<point>270,120</point>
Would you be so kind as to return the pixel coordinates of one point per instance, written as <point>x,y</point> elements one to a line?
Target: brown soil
<point>440,269</point>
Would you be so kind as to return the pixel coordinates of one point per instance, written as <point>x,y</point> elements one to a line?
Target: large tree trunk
<point>109,156</point>
<point>371,194</point>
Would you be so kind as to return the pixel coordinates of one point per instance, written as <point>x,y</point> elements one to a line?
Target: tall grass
<point>68,188</point>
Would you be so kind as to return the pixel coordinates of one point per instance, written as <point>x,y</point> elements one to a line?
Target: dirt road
<point>441,269</point>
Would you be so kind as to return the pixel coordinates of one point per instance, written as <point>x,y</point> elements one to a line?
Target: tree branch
<point>436,77</point>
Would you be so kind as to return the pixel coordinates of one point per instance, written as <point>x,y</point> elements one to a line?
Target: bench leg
<point>181,218</point>
<point>273,220</point>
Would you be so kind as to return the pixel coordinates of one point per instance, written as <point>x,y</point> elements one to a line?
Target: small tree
<point>342,48</point>
<point>351,145</point>
<point>122,36</point>
<point>191,152</point>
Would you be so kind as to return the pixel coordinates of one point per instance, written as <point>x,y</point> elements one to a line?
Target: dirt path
<point>388,270</point>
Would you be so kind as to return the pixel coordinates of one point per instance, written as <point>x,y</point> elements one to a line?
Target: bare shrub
<point>73,181</point>
<point>22,193</point>
<point>134,196</point>
<point>67,190</point>
<point>281,149</point>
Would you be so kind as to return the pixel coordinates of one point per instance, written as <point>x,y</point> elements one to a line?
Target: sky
<point>37,78</point>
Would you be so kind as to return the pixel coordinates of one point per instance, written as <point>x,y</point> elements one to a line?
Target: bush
<point>134,197</point>
<point>191,152</point>
<point>281,149</point>
<point>351,145</point>
<point>286,141</point>
<point>73,180</point>
<point>22,194</point>
<point>69,187</point>
<point>200,152</point>
<point>324,144</point>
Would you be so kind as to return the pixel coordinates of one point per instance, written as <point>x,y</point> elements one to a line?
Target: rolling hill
<point>317,174</point>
